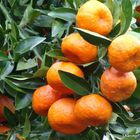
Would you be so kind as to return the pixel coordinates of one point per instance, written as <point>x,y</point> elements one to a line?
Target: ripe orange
<point>124,53</point>
<point>43,98</point>
<point>95,16</point>
<point>93,110</point>
<point>4,129</point>
<point>77,50</point>
<point>61,117</point>
<point>53,77</point>
<point>5,102</point>
<point>117,86</point>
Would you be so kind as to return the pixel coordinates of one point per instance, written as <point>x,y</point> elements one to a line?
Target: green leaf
<point>30,84</point>
<point>94,38</point>
<point>14,30</point>
<point>137,30</point>
<point>136,14</point>
<point>22,101</point>
<point>70,2</point>
<point>137,74</point>
<point>28,44</point>
<point>13,86</point>
<point>57,54</point>
<point>115,31</point>
<point>12,2</point>
<point>57,28</point>
<point>12,136</point>
<point>23,65</point>
<point>27,127</point>
<point>118,128</point>
<point>2,36</point>
<point>126,16</point>
<point>3,57</point>
<point>74,3</point>
<point>66,14</point>
<point>129,138</point>
<point>44,21</point>
<point>41,73</point>
<point>29,16</point>
<point>77,3</point>
<point>19,77</point>
<point>133,103</point>
<point>10,117</point>
<point>131,131</point>
<point>136,94</point>
<point>75,83</point>
<point>2,86</point>
<point>5,69</point>
<point>92,135</point>
<point>10,90</point>
<point>116,7</point>
<point>102,52</point>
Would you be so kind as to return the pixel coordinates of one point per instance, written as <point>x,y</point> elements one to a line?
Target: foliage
<point>30,36</point>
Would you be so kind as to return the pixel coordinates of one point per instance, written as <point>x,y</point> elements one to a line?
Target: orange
<point>95,16</point>
<point>117,86</point>
<point>53,77</point>
<point>93,110</point>
<point>5,102</point>
<point>77,50</point>
<point>61,117</point>
<point>124,53</point>
<point>4,129</point>
<point>43,98</point>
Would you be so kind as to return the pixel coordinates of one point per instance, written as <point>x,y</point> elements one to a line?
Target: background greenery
<point>31,32</point>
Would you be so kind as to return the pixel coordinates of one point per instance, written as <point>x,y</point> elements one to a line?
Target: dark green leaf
<point>102,52</point>
<point>44,21</point>
<point>126,16</point>
<point>137,74</point>
<point>27,127</point>
<point>94,38</point>
<point>28,44</point>
<point>13,86</point>
<point>11,118</point>
<point>12,2</point>
<point>2,86</point>
<point>57,54</point>
<point>129,138</point>
<point>1,36</point>
<point>136,14</point>
<point>57,28</point>
<point>118,128</point>
<point>22,101</point>
<point>136,94</point>
<point>116,11</point>
<point>30,84</point>
<point>91,135</point>
<point>41,72</point>
<point>14,31</point>
<point>29,16</point>
<point>66,14</point>
<point>5,69</point>
<point>23,65</point>
<point>77,84</point>
<point>137,30</point>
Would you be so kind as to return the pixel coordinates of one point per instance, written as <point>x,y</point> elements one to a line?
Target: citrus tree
<point>37,41</point>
